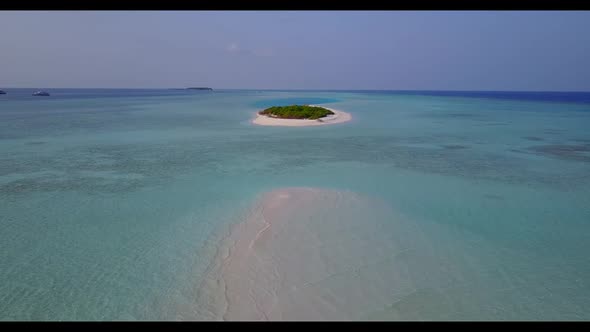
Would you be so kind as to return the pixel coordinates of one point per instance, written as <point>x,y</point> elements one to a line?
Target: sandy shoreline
<point>337,117</point>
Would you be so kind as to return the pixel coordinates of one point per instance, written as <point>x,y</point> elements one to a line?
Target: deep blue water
<point>546,96</point>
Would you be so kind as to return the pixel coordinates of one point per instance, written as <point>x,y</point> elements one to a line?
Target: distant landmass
<point>193,88</point>
<point>199,88</point>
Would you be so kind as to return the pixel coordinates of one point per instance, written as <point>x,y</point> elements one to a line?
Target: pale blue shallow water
<point>111,200</point>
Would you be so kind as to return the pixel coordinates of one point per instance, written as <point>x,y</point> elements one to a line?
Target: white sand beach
<point>337,117</point>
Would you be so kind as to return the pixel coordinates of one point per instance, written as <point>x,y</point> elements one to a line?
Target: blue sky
<point>439,50</point>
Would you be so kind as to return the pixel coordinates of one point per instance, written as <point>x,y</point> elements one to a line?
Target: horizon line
<point>298,89</point>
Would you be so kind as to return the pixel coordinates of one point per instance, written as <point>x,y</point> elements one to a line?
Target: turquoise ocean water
<point>112,201</point>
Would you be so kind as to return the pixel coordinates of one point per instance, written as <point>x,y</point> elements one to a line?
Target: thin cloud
<point>233,48</point>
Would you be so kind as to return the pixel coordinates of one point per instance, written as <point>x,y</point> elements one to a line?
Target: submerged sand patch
<point>306,254</point>
<point>337,117</point>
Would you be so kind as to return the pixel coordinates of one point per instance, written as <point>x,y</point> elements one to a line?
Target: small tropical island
<point>297,112</point>
<point>300,115</point>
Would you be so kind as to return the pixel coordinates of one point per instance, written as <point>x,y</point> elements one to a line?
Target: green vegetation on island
<point>296,112</point>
